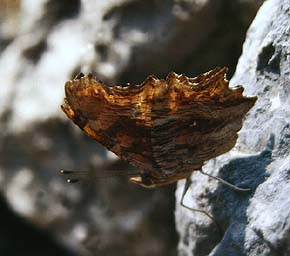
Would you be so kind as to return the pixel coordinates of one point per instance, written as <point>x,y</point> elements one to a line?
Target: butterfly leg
<point>185,189</point>
<point>225,182</point>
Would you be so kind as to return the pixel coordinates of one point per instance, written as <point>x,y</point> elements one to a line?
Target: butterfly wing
<point>197,120</point>
<point>117,117</point>
<point>166,128</point>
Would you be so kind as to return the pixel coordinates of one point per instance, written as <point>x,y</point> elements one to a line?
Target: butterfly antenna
<point>225,182</point>
<point>76,176</point>
<point>79,175</point>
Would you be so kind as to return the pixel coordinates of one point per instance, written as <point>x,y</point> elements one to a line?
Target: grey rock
<point>255,223</point>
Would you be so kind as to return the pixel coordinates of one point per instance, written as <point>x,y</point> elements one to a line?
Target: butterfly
<point>166,128</point>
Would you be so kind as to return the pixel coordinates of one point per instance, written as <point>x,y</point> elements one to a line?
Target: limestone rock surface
<point>255,223</point>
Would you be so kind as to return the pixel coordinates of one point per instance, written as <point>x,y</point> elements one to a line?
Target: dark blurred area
<point>45,43</point>
<point>20,237</point>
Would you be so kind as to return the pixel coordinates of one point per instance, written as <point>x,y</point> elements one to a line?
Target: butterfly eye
<point>146,179</point>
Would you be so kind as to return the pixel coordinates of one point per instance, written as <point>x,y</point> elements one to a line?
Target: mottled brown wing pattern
<point>117,117</point>
<point>199,122</point>
<point>166,128</point>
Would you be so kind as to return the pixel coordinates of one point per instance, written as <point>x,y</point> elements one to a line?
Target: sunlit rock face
<point>255,223</point>
<point>47,42</point>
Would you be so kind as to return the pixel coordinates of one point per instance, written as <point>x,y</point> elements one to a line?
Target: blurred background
<point>43,44</point>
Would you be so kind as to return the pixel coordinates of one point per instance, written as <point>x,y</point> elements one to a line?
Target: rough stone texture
<point>256,223</point>
<point>44,43</point>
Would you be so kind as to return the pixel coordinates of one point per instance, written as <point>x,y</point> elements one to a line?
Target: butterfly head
<point>148,181</point>
<point>144,180</point>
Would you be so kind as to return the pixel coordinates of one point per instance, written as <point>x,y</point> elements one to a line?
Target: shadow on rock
<point>229,206</point>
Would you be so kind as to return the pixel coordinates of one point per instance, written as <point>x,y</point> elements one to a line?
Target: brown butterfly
<point>167,128</point>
